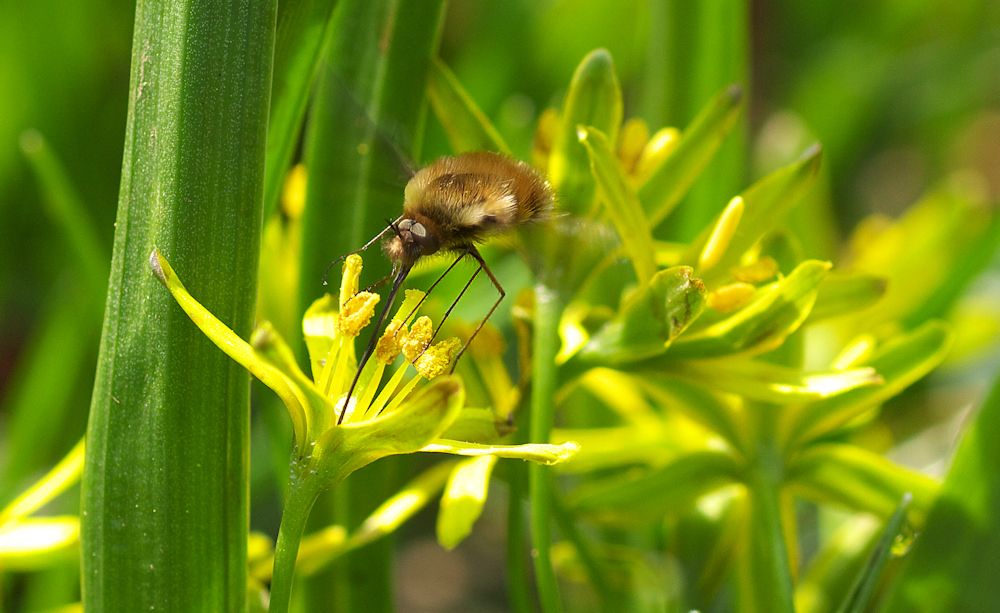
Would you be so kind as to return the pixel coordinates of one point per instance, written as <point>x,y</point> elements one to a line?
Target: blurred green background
<point>904,96</point>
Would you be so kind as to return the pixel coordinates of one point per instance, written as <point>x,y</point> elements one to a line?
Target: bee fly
<point>450,206</point>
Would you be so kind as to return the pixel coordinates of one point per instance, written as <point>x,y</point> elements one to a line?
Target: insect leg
<point>433,285</point>
<point>482,266</point>
<point>390,226</point>
<point>400,277</point>
<point>471,250</point>
<point>457,298</point>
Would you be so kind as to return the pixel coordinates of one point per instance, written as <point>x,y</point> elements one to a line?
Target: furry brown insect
<point>452,205</point>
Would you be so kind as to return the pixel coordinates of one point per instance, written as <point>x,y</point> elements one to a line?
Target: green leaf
<point>765,204</point>
<point>900,362</point>
<point>620,202</point>
<point>540,453</point>
<point>417,422</point>
<point>467,127</point>
<point>165,476</point>
<point>463,500</point>
<point>863,592</point>
<point>594,99</point>
<point>366,123</point>
<point>649,443</point>
<point>844,293</point>
<point>834,568</point>
<point>767,382</point>
<point>977,255</point>
<point>649,321</point>
<point>655,493</point>
<point>859,480</point>
<point>302,30</point>
<point>668,183</point>
<point>698,403</point>
<point>954,563</point>
<point>762,325</point>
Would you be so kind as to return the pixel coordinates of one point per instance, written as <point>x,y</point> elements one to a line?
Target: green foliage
<point>706,391</point>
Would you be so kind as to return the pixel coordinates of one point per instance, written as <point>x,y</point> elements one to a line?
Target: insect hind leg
<point>471,251</point>
<point>482,266</point>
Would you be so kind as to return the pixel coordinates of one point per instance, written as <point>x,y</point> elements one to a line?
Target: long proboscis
<point>401,275</point>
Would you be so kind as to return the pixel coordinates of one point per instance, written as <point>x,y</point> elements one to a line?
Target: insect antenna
<point>401,275</point>
<point>390,225</point>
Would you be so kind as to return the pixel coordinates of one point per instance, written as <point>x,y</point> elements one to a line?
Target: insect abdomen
<point>466,198</point>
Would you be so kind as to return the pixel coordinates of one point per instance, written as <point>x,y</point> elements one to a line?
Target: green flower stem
<point>518,590</point>
<point>588,557</point>
<point>766,581</point>
<point>548,310</point>
<point>299,501</point>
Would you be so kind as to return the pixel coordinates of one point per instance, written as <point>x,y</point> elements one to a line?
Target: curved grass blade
<point>620,202</point>
<point>301,33</point>
<point>467,127</point>
<point>862,594</point>
<point>699,142</point>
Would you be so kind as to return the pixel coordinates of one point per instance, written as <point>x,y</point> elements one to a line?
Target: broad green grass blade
<point>467,127</point>
<point>366,125</point>
<point>164,507</point>
<point>954,562</point>
<point>710,50</point>
<point>301,34</point>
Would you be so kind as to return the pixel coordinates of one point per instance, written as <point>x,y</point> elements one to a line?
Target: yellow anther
<point>391,343</point>
<point>356,312</point>
<point>633,139</point>
<point>657,150</point>
<point>730,297</point>
<point>759,271</point>
<point>722,234</point>
<point>436,359</point>
<point>419,338</point>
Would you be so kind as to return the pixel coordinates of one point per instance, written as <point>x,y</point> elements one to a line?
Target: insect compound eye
<point>427,242</point>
